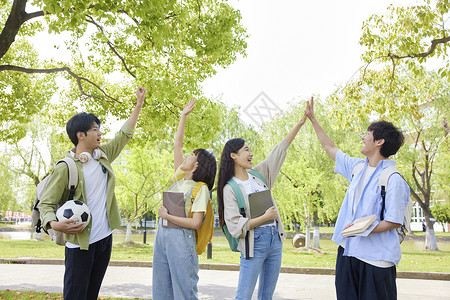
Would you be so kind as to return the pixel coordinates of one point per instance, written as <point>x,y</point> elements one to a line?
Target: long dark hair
<point>207,167</point>
<point>226,171</point>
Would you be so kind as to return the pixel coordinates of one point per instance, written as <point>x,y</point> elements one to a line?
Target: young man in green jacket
<point>88,250</point>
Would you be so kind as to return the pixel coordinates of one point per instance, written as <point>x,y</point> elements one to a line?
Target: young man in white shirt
<point>88,250</point>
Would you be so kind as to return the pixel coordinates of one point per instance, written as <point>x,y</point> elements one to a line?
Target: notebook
<point>359,225</point>
<point>174,202</point>
<point>259,203</point>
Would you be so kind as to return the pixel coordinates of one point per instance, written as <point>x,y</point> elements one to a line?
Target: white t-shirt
<point>96,183</point>
<point>251,186</point>
<point>185,187</point>
<point>362,183</point>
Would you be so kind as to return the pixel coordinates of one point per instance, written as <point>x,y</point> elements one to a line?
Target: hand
<point>310,109</point>
<point>67,226</point>
<point>303,120</point>
<point>140,95</point>
<point>271,213</point>
<point>163,212</point>
<point>188,107</point>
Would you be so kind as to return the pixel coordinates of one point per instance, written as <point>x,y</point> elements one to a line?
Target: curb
<point>226,267</point>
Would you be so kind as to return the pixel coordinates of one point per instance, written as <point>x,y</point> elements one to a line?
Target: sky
<point>295,49</point>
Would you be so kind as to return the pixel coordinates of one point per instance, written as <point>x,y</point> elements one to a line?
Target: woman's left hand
<point>163,212</point>
<point>303,120</point>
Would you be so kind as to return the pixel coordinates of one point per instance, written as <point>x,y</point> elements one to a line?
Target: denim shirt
<point>374,246</point>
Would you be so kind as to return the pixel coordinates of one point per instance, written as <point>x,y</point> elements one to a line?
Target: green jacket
<point>57,188</point>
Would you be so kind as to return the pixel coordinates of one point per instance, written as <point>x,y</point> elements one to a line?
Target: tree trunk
<point>307,236</point>
<point>316,234</point>
<point>430,237</point>
<point>430,240</point>
<point>128,235</point>
<point>316,237</point>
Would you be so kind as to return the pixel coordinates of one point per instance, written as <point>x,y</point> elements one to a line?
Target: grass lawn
<point>413,257</point>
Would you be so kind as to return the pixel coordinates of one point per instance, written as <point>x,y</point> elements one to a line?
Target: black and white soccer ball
<point>74,210</point>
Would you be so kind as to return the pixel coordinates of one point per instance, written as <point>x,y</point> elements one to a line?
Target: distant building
<point>418,217</point>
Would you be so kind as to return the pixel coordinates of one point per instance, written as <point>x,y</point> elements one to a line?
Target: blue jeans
<point>175,264</point>
<point>265,263</point>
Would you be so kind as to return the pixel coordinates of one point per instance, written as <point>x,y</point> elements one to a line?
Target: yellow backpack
<point>204,234</point>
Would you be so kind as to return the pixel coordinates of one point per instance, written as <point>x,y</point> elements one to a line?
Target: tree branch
<point>32,15</point>
<point>137,24</point>
<point>79,79</point>
<point>111,46</point>
<point>434,43</point>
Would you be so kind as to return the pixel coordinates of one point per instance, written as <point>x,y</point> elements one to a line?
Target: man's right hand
<point>310,109</point>
<point>67,226</point>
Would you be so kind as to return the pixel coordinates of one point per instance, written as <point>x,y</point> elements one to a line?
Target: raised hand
<point>140,95</point>
<point>189,107</point>
<point>310,109</point>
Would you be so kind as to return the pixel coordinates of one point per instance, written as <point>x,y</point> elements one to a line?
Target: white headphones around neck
<point>86,156</point>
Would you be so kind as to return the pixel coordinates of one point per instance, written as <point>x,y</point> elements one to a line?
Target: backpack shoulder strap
<point>258,175</point>
<point>384,177</point>
<point>178,177</point>
<point>238,194</point>
<point>196,189</point>
<point>194,192</point>
<point>73,175</point>
<point>382,184</point>
<point>357,168</point>
<point>73,171</point>
<point>241,204</point>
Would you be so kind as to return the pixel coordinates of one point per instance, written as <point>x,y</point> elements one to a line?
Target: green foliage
<point>306,184</point>
<point>7,199</point>
<point>142,173</point>
<point>167,46</point>
<point>403,37</point>
<point>441,211</point>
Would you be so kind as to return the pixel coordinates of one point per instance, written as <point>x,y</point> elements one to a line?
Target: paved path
<point>135,282</point>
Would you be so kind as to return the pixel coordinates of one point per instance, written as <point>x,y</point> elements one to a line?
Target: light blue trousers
<point>265,263</point>
<point>175,264</point>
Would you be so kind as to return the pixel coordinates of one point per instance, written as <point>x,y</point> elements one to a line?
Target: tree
<point>398,83</point>
<point>31,159</point>
<point>7,199</point>
<point>442,212</point>
<point>106,46</point>
<point>142,175</point>
<point>408,36</point>
<point>425,124</point>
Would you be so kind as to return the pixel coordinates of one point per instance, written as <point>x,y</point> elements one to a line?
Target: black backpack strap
<point>383,203</point>
<point>247,242</point>
<point>382,184</point>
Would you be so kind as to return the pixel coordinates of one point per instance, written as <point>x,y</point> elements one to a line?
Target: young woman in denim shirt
<point>265,241</point>
<point>175,260</point>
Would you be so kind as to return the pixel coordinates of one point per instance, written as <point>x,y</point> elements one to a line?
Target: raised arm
<point>291,135</point>
<point>140,95</point>
<point>179,136</point>
<point>326,142</point>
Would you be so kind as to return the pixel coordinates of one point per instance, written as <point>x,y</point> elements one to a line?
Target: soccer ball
<point>74,210</point>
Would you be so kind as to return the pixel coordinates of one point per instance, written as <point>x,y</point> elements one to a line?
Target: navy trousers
<point>357,280</point>
<point>85,270</point>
